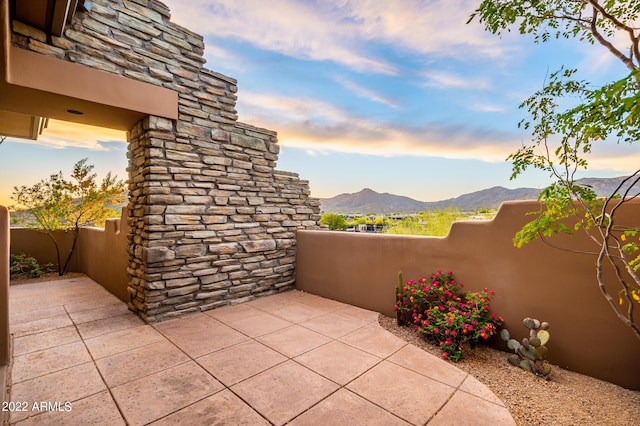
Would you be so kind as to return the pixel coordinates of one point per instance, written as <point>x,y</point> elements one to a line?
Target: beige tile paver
<point>40,363</point>
<point>236,363</point>
<point>117,369</point>
<point>338,361</point>
<point>293,341</point>
<point>199,334</point>
<point>98,409</point>
<point>290,357</point>
<point>284,391</point>
<point>467,410</point>
<point>475,387</point>
<point>98,313</point>
<point>152,397</point>
<point>406,394</point>
<point>375,340</point>
<point>44,340</point>
<point>70,385</point>
<point>346,408</point>
<point>122,341</point>
<point>41,325</point>
<point>333,325</point>
<point>424,363</point>
<point>258,323</point>
<point>108,325</point>
<point>36,314</point>
<point>298,312</point>
<point>360,314</point>
<point>222,408</point>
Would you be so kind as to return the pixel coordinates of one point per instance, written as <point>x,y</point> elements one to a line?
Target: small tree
<point>561,137</point>
<point>61,204</point>
<point>334,221</point>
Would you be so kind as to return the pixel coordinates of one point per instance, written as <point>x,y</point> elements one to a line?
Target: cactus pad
<point>529,353</point>
<point>544,336</point>
<point>526,365</point>
<point>528,322</point>
<point>513,344</point>
<point>541,351</point>
<point>504,334</point>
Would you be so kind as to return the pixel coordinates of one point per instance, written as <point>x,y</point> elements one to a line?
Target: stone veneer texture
<point>211,221</point>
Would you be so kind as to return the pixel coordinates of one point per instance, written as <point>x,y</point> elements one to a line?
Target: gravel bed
<point>568,398</point>
<point>49,276</point>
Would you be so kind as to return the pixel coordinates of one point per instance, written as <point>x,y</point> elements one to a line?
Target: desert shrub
<point>443,313</point>
<point>24,266</point>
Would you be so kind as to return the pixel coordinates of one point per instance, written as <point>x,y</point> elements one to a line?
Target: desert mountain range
<point>370,201</point>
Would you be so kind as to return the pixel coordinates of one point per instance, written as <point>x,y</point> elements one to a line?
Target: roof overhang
<point>49,16</point>
<point>33,86</point>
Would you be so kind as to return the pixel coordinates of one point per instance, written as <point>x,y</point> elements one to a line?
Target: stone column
<point>149,244</point>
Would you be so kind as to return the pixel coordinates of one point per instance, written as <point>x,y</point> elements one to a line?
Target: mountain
<point>370,201</point>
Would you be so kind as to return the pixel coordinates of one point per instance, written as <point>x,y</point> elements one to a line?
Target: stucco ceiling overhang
<point>33,86</point>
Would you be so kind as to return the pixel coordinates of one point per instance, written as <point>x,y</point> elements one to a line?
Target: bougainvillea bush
<point>442,312</point>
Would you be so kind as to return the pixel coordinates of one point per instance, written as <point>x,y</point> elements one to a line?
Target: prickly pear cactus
<point>530,354</point>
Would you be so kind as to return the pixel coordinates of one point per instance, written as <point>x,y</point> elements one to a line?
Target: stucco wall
<point>101,254</point>
<point>4,291</point>
<point>39,245</point>
<point>538,281</point>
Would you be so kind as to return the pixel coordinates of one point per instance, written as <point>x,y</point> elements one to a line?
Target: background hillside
<point>370,201</point>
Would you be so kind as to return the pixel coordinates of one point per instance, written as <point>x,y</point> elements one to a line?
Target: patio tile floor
<point>291,358</point>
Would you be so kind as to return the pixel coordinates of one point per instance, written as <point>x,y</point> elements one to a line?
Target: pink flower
<point>445,355</point>
<point>436,331</point>
<point>454,333</point>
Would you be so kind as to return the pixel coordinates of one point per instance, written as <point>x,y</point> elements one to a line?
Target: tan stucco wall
<point>101,254</point>
<point>39,245</point>
<point>4,288</point>
<point>538,281</point>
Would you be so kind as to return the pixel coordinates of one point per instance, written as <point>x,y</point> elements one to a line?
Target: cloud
<point>366,93</point>
<point>482,107</point>
<point>344,31</point>
<point>232,60</point>
<point>320,127</point>
<point>62,134</point>
<point>314,125</point>
<point>446,80</point>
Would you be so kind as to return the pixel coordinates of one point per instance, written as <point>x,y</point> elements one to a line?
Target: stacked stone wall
<point>211,221</point>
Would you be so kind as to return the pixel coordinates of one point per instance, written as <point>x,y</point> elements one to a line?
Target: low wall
<point>537,281</point>
<point>5,342</point>
<point>39,245</point>
<point>4,290</point>
<point>101,254</point>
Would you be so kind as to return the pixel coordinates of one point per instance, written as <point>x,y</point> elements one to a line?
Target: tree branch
<point>597,8</point>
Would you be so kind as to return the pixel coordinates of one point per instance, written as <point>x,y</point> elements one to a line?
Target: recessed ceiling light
<point>75,112</point>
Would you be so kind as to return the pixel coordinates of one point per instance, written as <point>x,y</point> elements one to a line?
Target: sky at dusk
<point>399,96</point>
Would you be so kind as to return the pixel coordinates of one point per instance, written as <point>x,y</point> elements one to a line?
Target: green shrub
<point>24,266</point>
